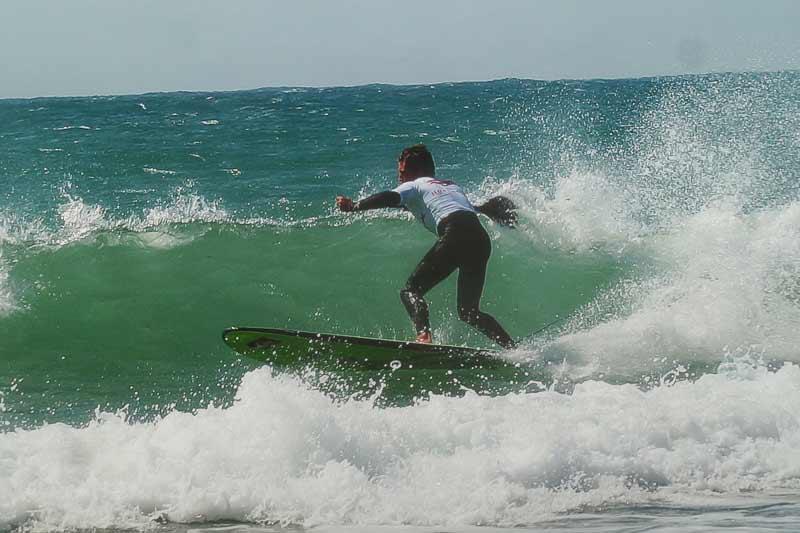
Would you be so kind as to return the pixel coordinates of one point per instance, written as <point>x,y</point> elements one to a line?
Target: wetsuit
<point>462,244</point>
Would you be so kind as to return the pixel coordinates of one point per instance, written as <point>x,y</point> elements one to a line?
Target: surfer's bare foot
<point>425,337</point>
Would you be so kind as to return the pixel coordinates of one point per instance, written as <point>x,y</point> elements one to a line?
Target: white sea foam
<point>7,299</point>
<point>67,128</point>
<point>151,170</point>
<point>182,209</point>
<point>732,281</point>
<point>14,232</point>
<point>173,222</point>
<point>709,244</point>
<point>79,220</point>
<point>580,212</point>
<point>720,280</point>
<point>284,453</point>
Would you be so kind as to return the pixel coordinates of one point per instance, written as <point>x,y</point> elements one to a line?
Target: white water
<point>284,453</point>
<point>710,248</point>
<point>78,220</point>
<point>7,299</point>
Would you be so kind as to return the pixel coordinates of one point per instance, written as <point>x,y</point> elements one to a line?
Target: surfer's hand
<point>344,204</point>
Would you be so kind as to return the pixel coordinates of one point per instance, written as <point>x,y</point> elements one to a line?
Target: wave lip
<point>78,220</point>
<point>286,454</point>
<point>7,300</point>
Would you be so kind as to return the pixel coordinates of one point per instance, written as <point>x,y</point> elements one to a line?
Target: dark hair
<point>419,161</point>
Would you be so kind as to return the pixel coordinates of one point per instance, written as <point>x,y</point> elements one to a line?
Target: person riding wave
<point>462,242</point>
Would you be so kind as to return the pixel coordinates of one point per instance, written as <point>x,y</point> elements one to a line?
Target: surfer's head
<point>415,162</point>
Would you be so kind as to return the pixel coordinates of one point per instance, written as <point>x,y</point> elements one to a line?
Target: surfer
<point>462,242</point>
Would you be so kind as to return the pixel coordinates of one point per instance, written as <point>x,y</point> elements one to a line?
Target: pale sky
<point>88,47</point>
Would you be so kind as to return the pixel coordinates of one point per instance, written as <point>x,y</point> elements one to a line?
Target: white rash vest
<point>431,200</point>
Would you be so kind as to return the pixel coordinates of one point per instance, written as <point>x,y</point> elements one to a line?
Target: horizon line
<point>386,84</point>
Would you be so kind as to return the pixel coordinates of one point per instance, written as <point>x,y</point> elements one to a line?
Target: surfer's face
<point>402,175</point>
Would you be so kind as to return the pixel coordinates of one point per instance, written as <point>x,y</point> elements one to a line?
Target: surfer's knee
<point>408,296</point>
<point>405,294</point>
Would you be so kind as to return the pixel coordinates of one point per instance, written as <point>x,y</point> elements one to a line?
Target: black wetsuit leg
<point>434,267</point>
<point>470,289</point>
<point>462,244</point>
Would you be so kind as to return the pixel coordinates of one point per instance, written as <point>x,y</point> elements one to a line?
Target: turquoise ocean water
<point>660,218</point>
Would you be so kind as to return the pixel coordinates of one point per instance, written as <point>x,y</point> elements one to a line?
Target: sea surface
<point>659,224</point>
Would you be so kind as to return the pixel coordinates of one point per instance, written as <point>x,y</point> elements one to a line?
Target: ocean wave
<point>178,217</point>
<point>719,281</point>
<point>79,220</point>
<point>183,209</point>
<point>701,222</point>
<point>286,454</point>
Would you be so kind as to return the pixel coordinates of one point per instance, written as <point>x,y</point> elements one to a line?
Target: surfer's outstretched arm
<point>376,201</point>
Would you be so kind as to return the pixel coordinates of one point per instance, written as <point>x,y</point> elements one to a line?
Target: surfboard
<point>289,348</point>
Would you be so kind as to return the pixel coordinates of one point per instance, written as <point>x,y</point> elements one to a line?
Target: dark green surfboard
<point>291,348</point>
